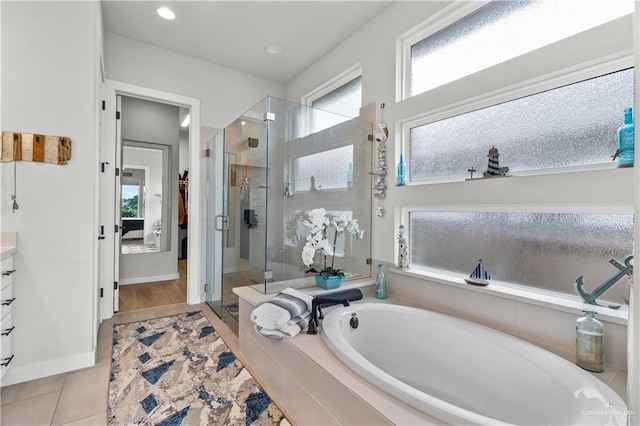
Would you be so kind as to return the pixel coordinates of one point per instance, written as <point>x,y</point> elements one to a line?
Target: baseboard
<point>48,368</point>
<point>149,279</point>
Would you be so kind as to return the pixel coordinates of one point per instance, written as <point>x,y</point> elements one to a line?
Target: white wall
<point>224,93</point>
<point>49,52</point>
<point>148,121</point>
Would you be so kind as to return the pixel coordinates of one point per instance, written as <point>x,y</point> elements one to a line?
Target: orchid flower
<point>319,221</point>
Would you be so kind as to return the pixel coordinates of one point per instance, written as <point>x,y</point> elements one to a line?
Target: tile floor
<point>80,397</point>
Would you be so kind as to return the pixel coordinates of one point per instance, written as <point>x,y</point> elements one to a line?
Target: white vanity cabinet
<point>7,300</point>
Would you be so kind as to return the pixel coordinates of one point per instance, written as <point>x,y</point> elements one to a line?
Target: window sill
<point>529,173</point>
<point>520,294</point>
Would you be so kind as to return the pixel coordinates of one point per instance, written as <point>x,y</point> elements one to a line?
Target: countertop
<point>255,297</point>
<point>8,244</point>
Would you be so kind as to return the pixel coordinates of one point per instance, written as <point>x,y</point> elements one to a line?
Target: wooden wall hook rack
<point>34,147</point>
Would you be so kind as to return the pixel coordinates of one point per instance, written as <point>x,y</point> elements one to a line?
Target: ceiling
<point>236,33</point>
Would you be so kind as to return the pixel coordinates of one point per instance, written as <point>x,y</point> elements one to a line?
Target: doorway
<point>157,236</point>
<point>149,144</point>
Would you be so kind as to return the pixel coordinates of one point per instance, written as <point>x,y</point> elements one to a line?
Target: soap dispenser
<point>590,342</point>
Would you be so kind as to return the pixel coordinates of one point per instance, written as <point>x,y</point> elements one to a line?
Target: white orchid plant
<point>319,221</point>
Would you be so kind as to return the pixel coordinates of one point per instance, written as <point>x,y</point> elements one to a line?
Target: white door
<point>100,203</point>
<point>118,206</point>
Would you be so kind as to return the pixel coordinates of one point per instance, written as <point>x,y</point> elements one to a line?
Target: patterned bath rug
<point>177,371</point>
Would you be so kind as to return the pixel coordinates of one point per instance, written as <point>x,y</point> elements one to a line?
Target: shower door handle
<point>223,219</point>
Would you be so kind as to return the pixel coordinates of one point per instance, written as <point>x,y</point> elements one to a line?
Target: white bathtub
<point>464,373</point>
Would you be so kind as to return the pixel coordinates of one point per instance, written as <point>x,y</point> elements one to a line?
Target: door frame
<point>113,88</point>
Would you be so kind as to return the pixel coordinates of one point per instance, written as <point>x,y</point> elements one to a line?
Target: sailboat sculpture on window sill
<point>479,276</point>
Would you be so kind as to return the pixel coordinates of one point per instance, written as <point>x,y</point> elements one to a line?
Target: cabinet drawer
<point>7,275</point>
<point>7,300</point>
<point>6,335</point>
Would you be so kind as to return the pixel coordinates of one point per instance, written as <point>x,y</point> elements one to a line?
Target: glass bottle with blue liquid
<point>626,150</point>
<point>381,283</point>
<point>401,179</point>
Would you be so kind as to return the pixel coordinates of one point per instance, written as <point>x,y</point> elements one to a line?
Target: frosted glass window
<point>500,31</point>
<point>328,169</point>
<point>573,125</point>
<point>543,250</point>
<point>346,101</point>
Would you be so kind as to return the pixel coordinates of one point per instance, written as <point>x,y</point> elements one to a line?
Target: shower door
<point>214,166</point>
<point>237,186</point>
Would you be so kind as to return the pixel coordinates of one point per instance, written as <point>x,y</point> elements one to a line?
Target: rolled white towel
<point>269,316</point>
<point>287,304</point>
<point>292,328</point>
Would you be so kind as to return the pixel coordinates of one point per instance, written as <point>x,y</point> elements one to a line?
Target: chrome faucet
<point>591,298</point>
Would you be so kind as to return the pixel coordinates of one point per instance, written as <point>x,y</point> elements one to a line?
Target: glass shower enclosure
<point>264,171</point>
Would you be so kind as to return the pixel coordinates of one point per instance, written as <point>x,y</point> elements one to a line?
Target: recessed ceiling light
<point>166,13</point>
<point>242,123</point>
<point>272,49</point>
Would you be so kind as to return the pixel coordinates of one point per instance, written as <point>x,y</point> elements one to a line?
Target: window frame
<point>329,86</point>
<point>607,189</point>
<point>507,289</point>
<point>457,189</point>
<point>301,154</point>
<point>440,20</point>
<point>332,84</point>
<point>531,87</point>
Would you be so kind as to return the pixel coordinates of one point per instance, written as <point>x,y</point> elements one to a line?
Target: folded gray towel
<point>283,316</point>
<point>291,329</point>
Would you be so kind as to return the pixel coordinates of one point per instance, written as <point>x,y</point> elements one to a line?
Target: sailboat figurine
<point>479,276</point>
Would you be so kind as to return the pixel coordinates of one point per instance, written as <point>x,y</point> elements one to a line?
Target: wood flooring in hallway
<point>150,295</point>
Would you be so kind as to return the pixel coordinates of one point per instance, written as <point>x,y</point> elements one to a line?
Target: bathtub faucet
<point>331,299</point>
<point>591,298</point>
